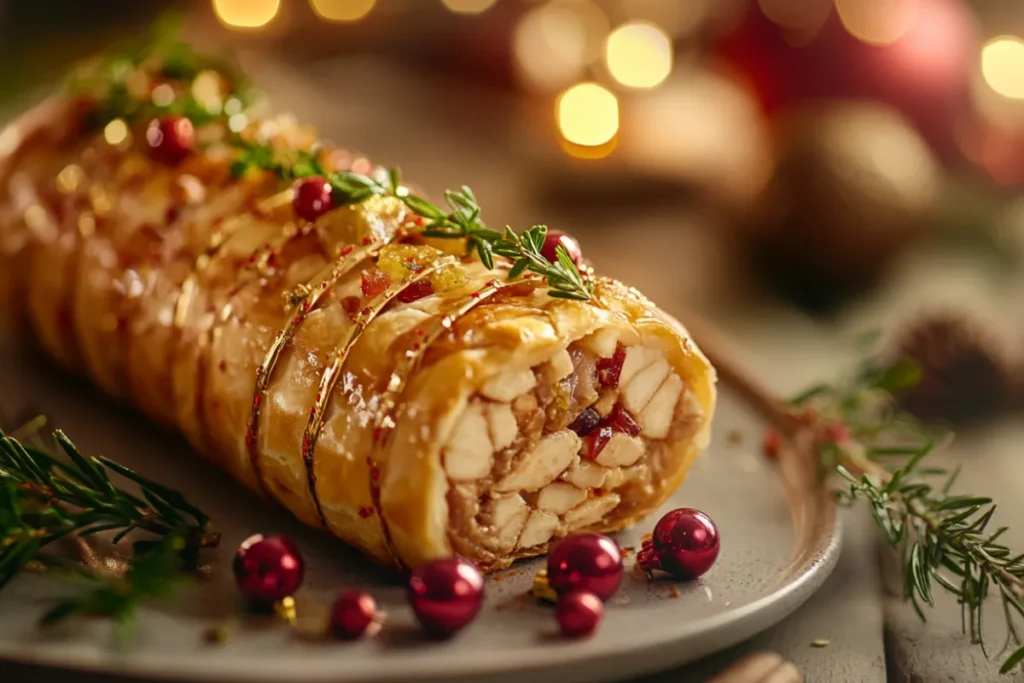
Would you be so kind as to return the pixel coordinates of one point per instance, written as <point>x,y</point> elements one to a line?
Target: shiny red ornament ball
<point>578,613</point>
<point>556,238</point>
<point>268,568</point>
<point>312,198</point>
<point>684,545</point>
<point>585,562</point>
<point>352,615</point>
<point>171,139</point>
<point>446,595</point>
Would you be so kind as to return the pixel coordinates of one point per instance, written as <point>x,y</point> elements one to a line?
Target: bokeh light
<point>342,10</point>
<point>678,18</point>
<point>554,42</point>
<point>587,115</point>
<point>639,54</point>
<point>1002,64</point>
<point>469,6</point>
<point>877,22</point>
<point>246,13</point>
<point>800,17</point>
<point>116,132</point>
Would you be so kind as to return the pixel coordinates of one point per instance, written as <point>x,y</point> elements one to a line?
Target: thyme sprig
<point>461,220</point>
<point>945,541</point>
<point>45,498</point>
<point>163,56</point>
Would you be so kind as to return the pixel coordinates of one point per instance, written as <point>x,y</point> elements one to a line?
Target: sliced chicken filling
<point>546,451</point>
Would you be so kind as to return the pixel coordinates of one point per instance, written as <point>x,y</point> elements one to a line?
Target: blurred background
<point>784,167</point>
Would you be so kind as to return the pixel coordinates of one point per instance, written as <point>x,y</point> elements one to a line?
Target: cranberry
<point>598,440</point>
<point>586,422</point>
<point>578,613</point>
<point>312,198</point>
<point>171,139</point>
<point>416,290</point>
<point>609,369</point>
<point>374,282</point>
<point>621,421</point>
<point>268,568</point>
<point>556,238</point>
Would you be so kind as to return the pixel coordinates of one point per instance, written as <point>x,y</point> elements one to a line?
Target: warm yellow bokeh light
<point>342,10</point>
<point>639,54</point>
<point>587,115</point>
<point>116,132</point>
<point>554,43</point>
<point>1002,64</point>
<point>877,22</point>
<point>469,6</point>
<point>246,13</point>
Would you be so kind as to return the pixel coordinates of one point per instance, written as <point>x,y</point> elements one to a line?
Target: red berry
<point>268,568</point>
<point>772,443</point>
<point>556,238</point>
<point>621,421</point>
<point>416,291</point>
<point>837,432</point>
<point>374,282</point>
<point>312,198</point>
<point>171,139</point>
<point>598,439</point>
<point>609,369</point>
<point>585,562</point>
<point>578,613</point>
<point>684,544</point>
<point>446,595</point>
<point>352,615</point>
<point>585,422</point>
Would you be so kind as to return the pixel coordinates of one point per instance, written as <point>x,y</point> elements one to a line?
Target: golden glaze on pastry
<point>410,429</point>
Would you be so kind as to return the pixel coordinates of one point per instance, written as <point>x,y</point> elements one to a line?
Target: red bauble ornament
<point>312,198</point>
<point>578,613</point>
<point>585,562</point>
<point>556,238</point>
<point>684,545</point>
<point>171,139</point>
<point>446,595</point>
<point>353,615</point>
<point>268,568</point>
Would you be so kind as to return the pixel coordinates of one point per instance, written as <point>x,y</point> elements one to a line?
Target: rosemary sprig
<point>945,541</point>
<point>44,498</point>
<point>461,221</point>
<point>164,56</point>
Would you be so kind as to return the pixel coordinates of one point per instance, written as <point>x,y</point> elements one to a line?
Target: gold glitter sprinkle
<point>70,177</point>
<point>541,589</point>
<point>285,610</point>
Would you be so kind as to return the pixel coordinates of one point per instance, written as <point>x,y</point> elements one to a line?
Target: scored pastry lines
<point>425,335</point>
<point>351,257</point>
<point>329,378</point>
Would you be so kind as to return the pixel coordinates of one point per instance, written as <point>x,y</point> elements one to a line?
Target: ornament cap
<point>647,557</point>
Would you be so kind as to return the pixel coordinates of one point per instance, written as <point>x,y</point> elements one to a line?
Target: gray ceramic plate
<point>775,553</point>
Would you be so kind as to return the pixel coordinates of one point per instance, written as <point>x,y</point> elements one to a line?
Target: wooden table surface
<point>673,254</point>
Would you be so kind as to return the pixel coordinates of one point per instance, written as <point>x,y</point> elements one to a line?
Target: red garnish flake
<point>365,512</point>
<point>771,444</point>
<point>367,239</point>
<point>256,400</point>
<point>171,215</point>
<point>350,304</point>
<point>306,305</point>
<point>416,290</point>
<point>374,282</point>
<point>609,369</point>
<point>222,366</point>
<point>249,436</point>
<point>673,592</point>
<point>420,332</point>
<point>347,250</point>
<point>837,432</point>
<point>621,421</point>
<point>598,440</point>
<point>375,473</point>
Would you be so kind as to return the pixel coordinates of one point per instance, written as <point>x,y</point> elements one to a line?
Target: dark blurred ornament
<point>684,545</point>
<point>268,568</point>
<point>556,238</point>
<point>446,595</point>
<point>585,562</point>
<point>964,376</point>
<point>923,68</point>
<point>578,613</point>
<point>852,186</point>
<point>353,615</point>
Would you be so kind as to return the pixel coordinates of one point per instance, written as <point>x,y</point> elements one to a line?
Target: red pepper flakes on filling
<point>609,369</point>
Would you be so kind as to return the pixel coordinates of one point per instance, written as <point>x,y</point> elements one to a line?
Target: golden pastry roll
<point>384,386</point>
